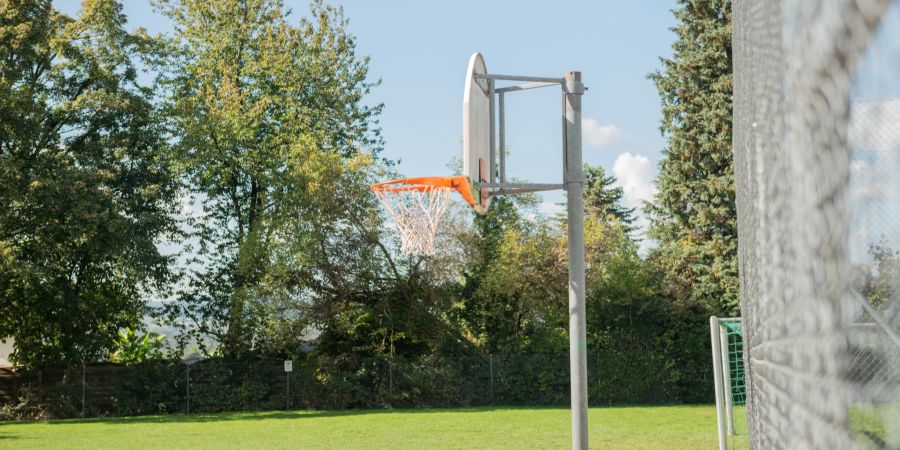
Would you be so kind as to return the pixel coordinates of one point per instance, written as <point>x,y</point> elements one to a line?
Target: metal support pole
<point>525,87</point>
<point>492,175</point>
<point>188,389</point>
<point>491,364</point>
<point>287,376</point>
<point>717,379</point>
<point>501,128</point>
<point>575,204</point>
<point>565,156</point>
<point>82,388</point>
<point>494,76</point>
<point>726,379</point>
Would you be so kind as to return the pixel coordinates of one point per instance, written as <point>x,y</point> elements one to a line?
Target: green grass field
<point>660,427</point>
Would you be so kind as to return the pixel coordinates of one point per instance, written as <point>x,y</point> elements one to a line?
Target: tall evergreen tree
<point>693,216</point>
<point>603,199</point>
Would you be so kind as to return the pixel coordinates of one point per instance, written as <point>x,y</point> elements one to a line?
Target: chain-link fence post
<point>82,388</point>
<point>491,372</point>
<point>188,387</point>
<point>288,370</point>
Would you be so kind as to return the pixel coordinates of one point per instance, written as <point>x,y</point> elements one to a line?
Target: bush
<point>156,387</point>
<point>28,406</point>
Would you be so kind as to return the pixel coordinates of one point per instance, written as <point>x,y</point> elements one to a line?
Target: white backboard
<point>477,132</point>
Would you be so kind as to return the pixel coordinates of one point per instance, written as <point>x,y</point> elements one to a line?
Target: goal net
<point>729,377</point>
<point>817,164</point>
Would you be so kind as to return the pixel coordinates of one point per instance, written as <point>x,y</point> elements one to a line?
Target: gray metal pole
<point>491,369</point>
<point>82,388</point>
<point>574,179</point>
<point>493,132</point>
<point>726,378</point>
<point>717,379</point>
<point>188,389</point>
<point>502,132</point>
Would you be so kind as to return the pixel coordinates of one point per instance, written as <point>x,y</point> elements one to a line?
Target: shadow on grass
<point>306,414</point>
<point>267,415</point>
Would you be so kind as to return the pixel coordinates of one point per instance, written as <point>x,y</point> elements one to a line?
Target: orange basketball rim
<point>423,184</point>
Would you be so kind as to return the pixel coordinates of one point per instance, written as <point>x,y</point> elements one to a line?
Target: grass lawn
<point>638,427</point>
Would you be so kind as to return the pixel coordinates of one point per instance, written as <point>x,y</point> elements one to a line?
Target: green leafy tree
<point>879,282</point>
<point>131,348</point>
<point>84,179</point>
<point>279,147</point>
<point>483,247</point>
<point>693,216</point>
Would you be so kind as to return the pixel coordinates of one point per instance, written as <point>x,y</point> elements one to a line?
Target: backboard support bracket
<point>496,189</point>
<point>497,131</point>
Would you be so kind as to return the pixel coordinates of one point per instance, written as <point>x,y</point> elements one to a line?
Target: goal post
<point>728,372</point>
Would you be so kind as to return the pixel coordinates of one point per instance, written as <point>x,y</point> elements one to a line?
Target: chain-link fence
<point>817,159</point>
<point>324,382</point>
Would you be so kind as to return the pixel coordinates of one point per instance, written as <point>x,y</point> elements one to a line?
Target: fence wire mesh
<point>817,158</point>
<point>332,382</point>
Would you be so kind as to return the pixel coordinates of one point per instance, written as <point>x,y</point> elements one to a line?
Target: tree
<point>878,281</point>
<point>279,146</point>
<point>133,349</point>
<point>693,216</point>
<point>85,181</point>
<point>603,199</point>
<point>483,248</point>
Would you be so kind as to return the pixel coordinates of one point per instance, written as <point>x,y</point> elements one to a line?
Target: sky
<point>874,138</point>
<point>419,51</point>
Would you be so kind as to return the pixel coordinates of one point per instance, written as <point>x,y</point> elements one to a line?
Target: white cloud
<point>858,165</point>
<point>872,125</point>
<point>596,135</point>
<point>635,175</point>
<point>873,178</point>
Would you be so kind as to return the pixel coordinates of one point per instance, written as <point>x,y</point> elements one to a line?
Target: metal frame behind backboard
<point>484,158</point>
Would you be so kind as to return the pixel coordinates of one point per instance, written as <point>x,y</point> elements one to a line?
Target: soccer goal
<point>728,373</point>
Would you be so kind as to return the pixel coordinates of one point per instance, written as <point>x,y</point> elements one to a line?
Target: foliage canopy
<point>85,180</point>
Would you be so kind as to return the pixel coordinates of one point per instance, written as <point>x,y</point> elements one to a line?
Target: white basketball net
<point>417,214</point>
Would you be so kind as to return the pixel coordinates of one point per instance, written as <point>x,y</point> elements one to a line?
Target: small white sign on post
<point>288,365</point>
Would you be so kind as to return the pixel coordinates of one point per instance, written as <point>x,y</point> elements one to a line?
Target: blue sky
<point>419,50</point>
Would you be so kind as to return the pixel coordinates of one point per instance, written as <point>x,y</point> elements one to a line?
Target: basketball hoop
<point>417,206</point>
